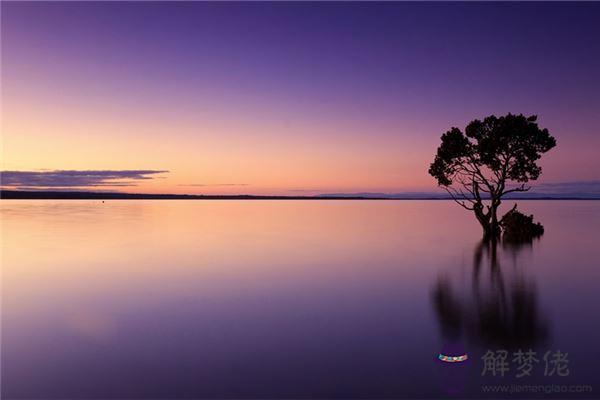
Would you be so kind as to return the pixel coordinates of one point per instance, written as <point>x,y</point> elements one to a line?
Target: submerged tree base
<point>518,227</point>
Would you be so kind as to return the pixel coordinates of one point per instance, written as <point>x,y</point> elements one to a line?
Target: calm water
<point>297,299</point>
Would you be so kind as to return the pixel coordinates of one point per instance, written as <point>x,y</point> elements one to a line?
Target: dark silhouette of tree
<point>519,228</point>
<point>490,159</point>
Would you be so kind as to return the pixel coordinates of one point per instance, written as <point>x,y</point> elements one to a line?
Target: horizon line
<point>100,195</point>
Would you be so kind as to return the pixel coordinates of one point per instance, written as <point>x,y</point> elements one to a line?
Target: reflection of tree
<point>496,313</point>
<point>449,309</point>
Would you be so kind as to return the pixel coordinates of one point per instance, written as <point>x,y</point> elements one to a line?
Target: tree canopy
<point>481,162</point>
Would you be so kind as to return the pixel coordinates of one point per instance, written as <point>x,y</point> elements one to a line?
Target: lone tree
<point>490,159</point>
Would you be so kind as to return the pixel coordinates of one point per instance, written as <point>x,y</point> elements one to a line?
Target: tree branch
<point>521,188</point>
<point>459,202</point>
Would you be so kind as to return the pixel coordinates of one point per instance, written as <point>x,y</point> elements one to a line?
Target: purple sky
<point>282,97</point>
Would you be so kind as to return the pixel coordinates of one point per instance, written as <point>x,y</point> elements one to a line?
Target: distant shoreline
<point>57,195</point>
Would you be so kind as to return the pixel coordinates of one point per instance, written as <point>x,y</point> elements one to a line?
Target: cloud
<point>574,189</point>
<point>65,179</point>
<point>569,187</point>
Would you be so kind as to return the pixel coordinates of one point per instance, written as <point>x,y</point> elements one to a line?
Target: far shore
<point>83,195</point>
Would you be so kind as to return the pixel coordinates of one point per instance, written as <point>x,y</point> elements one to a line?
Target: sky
<point>285,98</point>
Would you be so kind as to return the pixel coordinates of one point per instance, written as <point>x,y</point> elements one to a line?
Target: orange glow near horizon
<point>209,155</point>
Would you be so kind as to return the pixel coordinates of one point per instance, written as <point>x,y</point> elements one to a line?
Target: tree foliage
<point>490,159</point>
<point>520,228</point>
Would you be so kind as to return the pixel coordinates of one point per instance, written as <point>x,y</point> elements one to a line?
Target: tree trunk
<point>494,225</point>
<point>488,220</point>
<point>484,220</point>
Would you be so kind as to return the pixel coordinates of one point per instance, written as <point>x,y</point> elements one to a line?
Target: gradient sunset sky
<point>285,98</point>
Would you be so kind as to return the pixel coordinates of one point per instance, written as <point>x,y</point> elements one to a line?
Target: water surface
<point>295,299</point>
